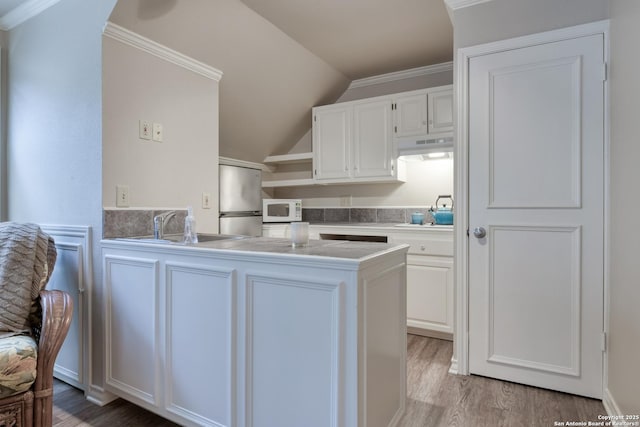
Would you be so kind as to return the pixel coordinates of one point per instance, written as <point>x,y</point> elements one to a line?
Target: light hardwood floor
<point>435,398</point>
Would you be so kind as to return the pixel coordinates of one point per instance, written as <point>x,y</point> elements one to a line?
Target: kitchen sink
<point>178,238</point>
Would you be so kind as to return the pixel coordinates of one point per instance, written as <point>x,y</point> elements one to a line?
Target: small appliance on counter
<point>281,210</point>
<point>240,201</point>
<point>442,215</point>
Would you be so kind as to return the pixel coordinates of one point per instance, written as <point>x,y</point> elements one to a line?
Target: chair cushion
<point>18,364</point>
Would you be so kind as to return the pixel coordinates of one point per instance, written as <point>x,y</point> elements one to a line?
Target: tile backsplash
<point>138,222</point>
<point>362,215</point>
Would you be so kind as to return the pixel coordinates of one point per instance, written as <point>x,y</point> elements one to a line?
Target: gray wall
<point>624,292</point>
<point>503,19</point>
<point>396,86</point>
<point>54,136</point>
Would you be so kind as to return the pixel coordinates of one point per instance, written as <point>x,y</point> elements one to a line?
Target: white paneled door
<point>536,193</point>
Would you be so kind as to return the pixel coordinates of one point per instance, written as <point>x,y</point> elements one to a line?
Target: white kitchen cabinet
<point>132,326</point>
<point>430,296</point>
<point>353,142</point>
<point>430,305</point>
<point>411,114</point>
<point>429,283</point>
<point>169,329</point>
<point>423,112</point>
<point>440,111</point>
<point>332,141</point>
<point>218,334</point>
<point>372,140</point>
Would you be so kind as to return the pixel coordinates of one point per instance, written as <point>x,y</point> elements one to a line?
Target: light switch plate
<point>157,132</point>
<point>122,196</point>
<point>206,200</point>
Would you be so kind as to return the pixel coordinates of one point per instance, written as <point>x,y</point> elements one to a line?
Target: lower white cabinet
<point>430,305</point>
<point>429,281</point>
<point>430,296</point>
<point>246,339</point>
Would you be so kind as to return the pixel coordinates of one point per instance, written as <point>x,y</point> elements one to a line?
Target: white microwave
<point>281,210</point>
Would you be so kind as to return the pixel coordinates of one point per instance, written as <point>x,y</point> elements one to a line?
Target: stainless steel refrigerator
<point>240,201</point>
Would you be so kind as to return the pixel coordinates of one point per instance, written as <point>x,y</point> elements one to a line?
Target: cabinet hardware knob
<point>422,248</point>
<point>479,232</point>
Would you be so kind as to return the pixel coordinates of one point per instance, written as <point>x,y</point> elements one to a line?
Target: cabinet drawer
<point>427,245</point>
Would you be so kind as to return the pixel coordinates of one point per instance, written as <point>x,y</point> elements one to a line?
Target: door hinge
<point>315,172</point>
<point>604,71</point>
<point>467,232</point>
<point>604,341</point>
<point>395,129</point>
<point>315,119</point>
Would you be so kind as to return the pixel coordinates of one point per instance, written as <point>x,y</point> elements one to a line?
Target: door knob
<point>479,232</point>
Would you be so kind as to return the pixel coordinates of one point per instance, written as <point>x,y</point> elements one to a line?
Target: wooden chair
<point>35,406</point>
<point>34,323</point>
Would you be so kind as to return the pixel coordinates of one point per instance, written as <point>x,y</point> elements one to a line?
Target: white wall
<point>171,174</point>
<point>54,141</point>
<point>3,124</point>
<point>624,289</point>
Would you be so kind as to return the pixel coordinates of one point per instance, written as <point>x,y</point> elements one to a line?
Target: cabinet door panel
<point>200,367</point>
<point>331,142</point>
<point>411,115</point>
<point>430,294</point>
<point>372,139</point>
<point>132,323</point>
<point>441,112</point>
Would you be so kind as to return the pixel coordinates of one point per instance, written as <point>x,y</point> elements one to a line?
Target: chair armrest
<point>57,310</point>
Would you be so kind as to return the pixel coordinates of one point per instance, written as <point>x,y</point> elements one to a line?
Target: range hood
<point>426,146</point>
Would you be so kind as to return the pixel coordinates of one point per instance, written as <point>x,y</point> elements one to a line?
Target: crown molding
<point>137,41</point>
<point>459,4</point>
<point>401,75</point>
<point>25,11</point>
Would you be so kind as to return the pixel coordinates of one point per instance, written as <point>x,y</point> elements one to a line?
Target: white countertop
<point>372,225</point>
<point>316,248</point>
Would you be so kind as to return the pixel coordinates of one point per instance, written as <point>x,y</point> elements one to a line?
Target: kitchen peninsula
<point>252,332</point>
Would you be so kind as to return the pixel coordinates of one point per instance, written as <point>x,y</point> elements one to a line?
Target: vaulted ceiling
<point>282,57</point>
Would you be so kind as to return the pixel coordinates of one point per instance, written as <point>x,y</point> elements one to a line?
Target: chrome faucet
<point>159,222</point>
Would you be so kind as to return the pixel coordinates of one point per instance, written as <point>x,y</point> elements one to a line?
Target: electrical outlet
<point>206,200</point>
<point>122,196</point>
<point>144,130</point>
<point>157,132</point>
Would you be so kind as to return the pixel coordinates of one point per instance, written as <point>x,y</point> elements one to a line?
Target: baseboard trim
<point>97,395</point>
<point>610,404</point>
<point>430,333</point>
<point>453,368</point>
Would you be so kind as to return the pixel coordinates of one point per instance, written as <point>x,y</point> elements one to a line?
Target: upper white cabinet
<point>423,112</point>
<point>353,141</point>
<point>372,140</point>
<point>411,114</point>
<point>440,111</point>
<point>332,141</point>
